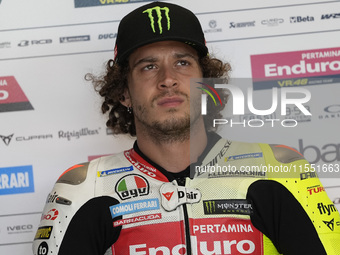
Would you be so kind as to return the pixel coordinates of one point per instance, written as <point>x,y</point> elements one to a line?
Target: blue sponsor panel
<point>88,3</point>
<point>133,207</point>
<point>18,179</point>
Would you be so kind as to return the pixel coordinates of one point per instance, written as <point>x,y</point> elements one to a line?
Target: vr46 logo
<point>132,185</point>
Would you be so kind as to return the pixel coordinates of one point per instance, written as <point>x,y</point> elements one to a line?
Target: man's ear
<point>125,99</point>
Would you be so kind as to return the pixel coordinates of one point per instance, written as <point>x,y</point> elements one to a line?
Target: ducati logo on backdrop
<point>12,98</point>
<point>174,196</point>
<point>132,185</point>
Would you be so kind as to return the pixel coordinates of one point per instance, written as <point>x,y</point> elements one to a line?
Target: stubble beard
<point>171,130</point>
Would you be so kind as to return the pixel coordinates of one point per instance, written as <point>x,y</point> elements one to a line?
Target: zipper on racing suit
<point>181,182</point>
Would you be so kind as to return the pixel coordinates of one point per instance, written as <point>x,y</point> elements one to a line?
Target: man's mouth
<point>170,101</point>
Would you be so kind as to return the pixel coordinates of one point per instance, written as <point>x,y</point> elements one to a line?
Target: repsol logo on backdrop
<point>15,180</point>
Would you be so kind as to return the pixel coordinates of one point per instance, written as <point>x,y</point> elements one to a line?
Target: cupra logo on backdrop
<point>238,105</point>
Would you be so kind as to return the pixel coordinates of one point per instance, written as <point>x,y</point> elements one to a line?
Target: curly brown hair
<point>112,85</point>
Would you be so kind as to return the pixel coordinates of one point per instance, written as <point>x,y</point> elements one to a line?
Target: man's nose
<point>167,78</point>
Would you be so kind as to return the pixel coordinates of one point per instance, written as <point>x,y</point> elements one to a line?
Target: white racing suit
<point>235,201</point>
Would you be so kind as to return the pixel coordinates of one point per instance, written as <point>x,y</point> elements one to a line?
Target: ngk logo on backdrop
<point>12,97</point>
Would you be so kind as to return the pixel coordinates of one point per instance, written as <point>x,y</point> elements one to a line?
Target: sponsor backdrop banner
<point>50,116</point>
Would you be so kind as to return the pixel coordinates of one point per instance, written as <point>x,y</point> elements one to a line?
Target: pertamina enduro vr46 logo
<point>158,10</point>
<point>131,186</point>
<point>12,98</point>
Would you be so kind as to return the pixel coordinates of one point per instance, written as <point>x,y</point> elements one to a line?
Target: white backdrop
<point>50,116</point>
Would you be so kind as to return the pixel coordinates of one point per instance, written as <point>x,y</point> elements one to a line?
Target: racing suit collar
<point>212,140</point>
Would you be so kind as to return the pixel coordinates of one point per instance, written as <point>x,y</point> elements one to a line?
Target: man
<point>160,197</point>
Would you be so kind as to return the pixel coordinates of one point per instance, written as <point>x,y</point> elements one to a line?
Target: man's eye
<point>149,67</point>
<point>183,63</point>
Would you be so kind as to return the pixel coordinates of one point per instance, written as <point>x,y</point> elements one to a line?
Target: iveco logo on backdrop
<point>17,229</point>
<point>12,98</point>
<point>17,179</point>
<point>25,43</point>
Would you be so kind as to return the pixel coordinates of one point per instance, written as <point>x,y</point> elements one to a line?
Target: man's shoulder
<point>78,173</point>
<point>280,152</point>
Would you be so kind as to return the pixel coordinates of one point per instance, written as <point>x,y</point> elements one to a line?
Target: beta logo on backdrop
<point>12,98</point>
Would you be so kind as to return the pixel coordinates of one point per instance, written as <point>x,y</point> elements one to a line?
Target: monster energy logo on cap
<point>152,23</point>
<point>158,11</point>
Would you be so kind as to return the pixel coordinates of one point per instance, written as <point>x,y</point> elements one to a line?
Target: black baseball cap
<point>158,21</point>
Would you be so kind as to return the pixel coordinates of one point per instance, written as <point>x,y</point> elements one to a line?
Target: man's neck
<point>174,156</point>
